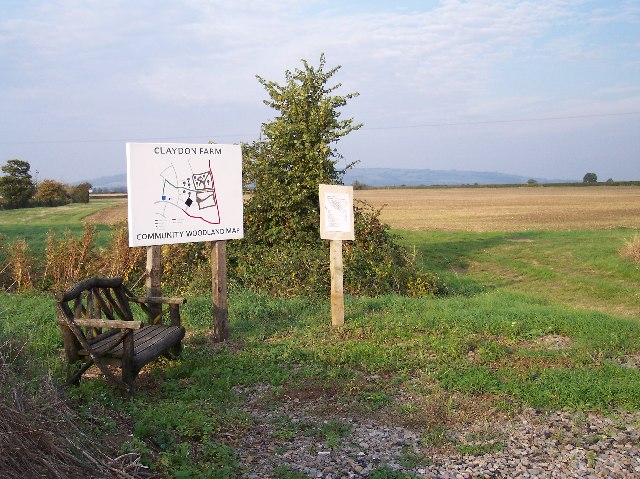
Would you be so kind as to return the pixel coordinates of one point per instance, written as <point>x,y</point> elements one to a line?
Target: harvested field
<point>487,209</point>
<point>507,209</point>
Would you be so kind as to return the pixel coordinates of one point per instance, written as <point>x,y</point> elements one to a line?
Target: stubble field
<point>487,209</point>
<point>507,209</point>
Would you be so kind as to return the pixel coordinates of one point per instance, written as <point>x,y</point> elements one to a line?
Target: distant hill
<point>113,182</point>
<point>426,177</point>
<point>388,177</point>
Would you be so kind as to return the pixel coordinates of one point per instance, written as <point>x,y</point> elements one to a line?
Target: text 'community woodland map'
<point>181,193</point>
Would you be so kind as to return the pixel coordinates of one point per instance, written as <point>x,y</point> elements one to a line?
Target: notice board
<point>336,212</point>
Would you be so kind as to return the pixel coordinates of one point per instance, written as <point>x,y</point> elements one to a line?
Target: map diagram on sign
<point>186,191</point>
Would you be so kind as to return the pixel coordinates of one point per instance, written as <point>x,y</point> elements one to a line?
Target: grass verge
<point>419,361</point>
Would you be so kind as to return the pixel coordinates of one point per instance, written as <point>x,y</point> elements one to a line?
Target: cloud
<point>85,69</point>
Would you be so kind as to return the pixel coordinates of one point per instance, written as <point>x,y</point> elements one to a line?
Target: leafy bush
<point>282,253</point>
<point>376,264</point>
<point>281,270</point>
<point>52,193</point>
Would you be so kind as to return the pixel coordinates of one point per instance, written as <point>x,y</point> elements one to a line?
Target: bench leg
<point>128,371</point>
<point>174,351</point>
<point>76,370</point>
<point>71,346</point>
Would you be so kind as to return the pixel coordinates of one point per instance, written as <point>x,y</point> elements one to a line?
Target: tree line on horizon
<point>18,189</point>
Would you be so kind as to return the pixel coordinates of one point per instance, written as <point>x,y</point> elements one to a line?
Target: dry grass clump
<point>631,249</point>
<point>68,259</point>
<point>121,260</point>
<point>41,436</point>
<point>16,269</point>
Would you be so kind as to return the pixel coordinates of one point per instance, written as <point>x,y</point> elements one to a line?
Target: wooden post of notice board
<point>220,330</point>
<point>336,225</point>
<point>337,291</point>
<point>153,281</point>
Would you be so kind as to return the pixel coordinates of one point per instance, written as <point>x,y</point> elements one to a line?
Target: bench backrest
<point>94,298</point>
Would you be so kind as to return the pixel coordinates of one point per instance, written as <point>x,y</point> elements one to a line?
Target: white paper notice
<point>337,208</point>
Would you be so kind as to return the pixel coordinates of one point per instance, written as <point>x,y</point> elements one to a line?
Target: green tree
<point>297,154</point>
<point>80,193</point>
<point>590,178</point>
<point>359,185</point>
<point>52,193</point>
<point>282,252</point>
<point>17,186</point>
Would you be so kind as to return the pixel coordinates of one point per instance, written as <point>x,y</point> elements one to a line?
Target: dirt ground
<point>110,216</point>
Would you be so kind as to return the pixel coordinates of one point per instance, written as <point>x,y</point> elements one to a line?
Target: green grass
<point>33,224</point>
<point>64,216</point>
<point>392,335</point>
<point>484,342</point>
<point>575,268</point>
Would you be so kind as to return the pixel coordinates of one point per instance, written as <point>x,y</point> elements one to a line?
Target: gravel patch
<point>316,439</point>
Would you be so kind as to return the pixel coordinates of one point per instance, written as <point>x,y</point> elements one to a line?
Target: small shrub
<point>19,266</point>
<point>186,267</point>
<point>376,264</point>
<point>281,271</point>
<point>70,259</point>
<point>118,259</point>
<point>631,249</point>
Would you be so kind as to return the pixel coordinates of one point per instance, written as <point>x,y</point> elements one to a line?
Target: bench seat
<point>149,343</point>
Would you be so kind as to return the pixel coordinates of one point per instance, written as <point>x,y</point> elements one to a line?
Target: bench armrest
<point>157,300</point>
<point>108,323</point>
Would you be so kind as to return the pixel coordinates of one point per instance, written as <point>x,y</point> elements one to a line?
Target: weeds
<point>388,473</point>
<point>19,265</point>
<point>285,472</point>
<point>69,259</point>
<point>631,249</point>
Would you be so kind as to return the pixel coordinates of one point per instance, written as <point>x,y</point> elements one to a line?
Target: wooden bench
<point>98,328</point>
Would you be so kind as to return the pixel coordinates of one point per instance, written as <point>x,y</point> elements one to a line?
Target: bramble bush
<point>282,253</point>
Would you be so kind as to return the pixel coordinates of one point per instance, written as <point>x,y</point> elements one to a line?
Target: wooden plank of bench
<point>149,342</point>
<point>153,345</point>
<point>157,300</point>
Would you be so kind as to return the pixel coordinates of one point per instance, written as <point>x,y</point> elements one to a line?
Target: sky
<point>542,89</point>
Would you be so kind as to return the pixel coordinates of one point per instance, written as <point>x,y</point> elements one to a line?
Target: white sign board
<point>184,193</point>
<point>336,212</point>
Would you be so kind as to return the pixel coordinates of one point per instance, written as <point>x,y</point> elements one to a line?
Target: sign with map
<point>184,193</point>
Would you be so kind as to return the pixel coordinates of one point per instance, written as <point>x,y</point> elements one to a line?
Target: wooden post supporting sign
<point>336,225</point>
<point>153,281</point>
<point>220,330</point>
